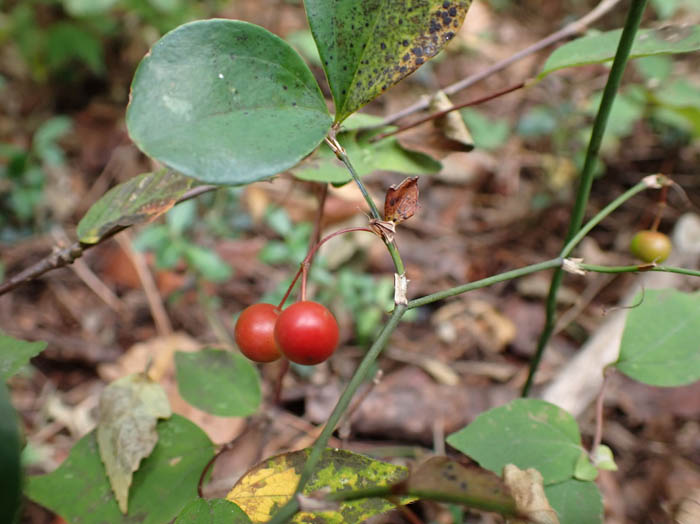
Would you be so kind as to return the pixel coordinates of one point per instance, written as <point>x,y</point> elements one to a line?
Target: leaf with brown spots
<point>367,46</point>
<point>441,478</point>
<point>140,199</point>
<point>401,201</point>
<point>270,484</point>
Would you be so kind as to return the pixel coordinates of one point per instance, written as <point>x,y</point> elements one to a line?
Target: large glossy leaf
<point>140,199</point>
<point>166,481</point>
<point>219,382</point>
<point>576,502</point>
<point>366,156</point>
<point>16,353</point>
<point>601,47</point>
<point>226,102</point>
<point>529,433</point>
<point>10,479</point>
<point>263,489</point>
<point>369,45</point>
<point>661,342</point>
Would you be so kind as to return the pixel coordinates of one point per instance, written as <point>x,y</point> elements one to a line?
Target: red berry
<point>254,332</point>
<point>650,246</point>
<point>307,333</point>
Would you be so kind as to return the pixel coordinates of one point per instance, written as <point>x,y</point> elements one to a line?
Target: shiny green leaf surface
<point>226,102</point>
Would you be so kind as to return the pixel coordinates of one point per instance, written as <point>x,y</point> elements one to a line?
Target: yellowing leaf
<point>269,485</point>
<point>126,430</point>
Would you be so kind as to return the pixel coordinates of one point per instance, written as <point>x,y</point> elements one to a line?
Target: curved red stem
<point>304,266</point>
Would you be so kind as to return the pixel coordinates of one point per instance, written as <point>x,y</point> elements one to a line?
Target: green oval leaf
<point>368,46</point>
<point>576,502</point>
<point>226,102</point>
<point>137,200</point>
<point>219,382</point>
<point>16,353</point>
<point>387,155</point>
<point>167,480</point>
<point>10,480</point>
<point>597,48</point>
<point>529,433</point>
<point>212,511</point>
<point>267,486</point>
<point>661,342</point>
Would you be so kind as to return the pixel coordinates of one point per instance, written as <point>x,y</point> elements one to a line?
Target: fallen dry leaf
<point>401,200</point>
<point>528,492</point>
<point>126,431</point>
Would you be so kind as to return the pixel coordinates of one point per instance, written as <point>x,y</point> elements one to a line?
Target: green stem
<point>391,246</point>
<point>343,157</point>
<point>612,206</point>
<point>310,255</point>
<point>634,18</point>
<point>362,373</point>
<point>364,369</point>
<point>643,268</point>
<point>508,275</point>
<point>464,498</point>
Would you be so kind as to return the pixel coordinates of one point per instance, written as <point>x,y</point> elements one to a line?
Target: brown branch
<point>442,113</point>
<point>316,234</point>
<point>573,28</point>
<point>63,257</point>
<point>279,380</point>
<point>344,422</point>
<point>98,286</point>
<point>155,301</point>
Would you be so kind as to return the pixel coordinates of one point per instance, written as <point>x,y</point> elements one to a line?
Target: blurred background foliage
<point>69,38</point>
<point>68,54</point>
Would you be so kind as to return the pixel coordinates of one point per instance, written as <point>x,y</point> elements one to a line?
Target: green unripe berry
<point>650,246</point>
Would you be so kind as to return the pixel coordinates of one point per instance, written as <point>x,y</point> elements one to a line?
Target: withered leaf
<point>401,201</point>
<point>445,479</point>
<point>126,430</point>
<point>454,132</point>
<point>528,492</point>
<point>383,228</point>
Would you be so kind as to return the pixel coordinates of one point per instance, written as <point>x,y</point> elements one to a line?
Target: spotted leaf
<point>367,46</point>
<point>270,484</point>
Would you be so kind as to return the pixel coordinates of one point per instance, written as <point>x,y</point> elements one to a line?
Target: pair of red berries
<point>306,333</point>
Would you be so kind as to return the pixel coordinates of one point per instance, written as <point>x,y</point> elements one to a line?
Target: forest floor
<point>502,206</point>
